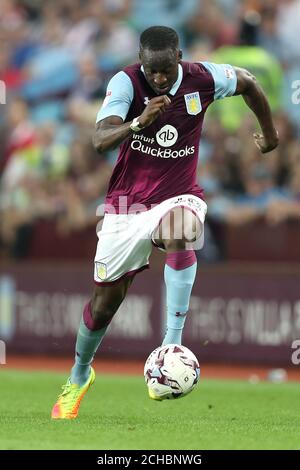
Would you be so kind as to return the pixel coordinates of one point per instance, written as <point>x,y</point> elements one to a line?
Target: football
<point>171,371</point>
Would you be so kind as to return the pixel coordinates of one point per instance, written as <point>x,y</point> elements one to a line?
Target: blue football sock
<point>87,344</point>
<point>179,283</point>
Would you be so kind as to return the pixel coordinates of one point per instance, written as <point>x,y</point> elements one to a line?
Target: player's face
<point>161,69</point>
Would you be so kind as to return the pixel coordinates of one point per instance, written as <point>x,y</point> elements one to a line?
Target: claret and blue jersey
<point>160,161</point>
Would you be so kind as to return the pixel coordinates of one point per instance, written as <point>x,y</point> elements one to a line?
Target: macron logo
<point>179,314</point>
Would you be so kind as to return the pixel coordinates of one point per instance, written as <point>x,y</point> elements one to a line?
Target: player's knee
<point>106,300</point>
<point>103,311</point>
<point>185,227</point>
<point>174,244</point>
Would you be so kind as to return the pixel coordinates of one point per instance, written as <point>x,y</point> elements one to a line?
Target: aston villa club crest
<point>101,270</point>
<point>193,103</point>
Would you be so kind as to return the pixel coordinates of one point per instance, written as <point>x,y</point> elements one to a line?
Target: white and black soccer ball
<point>171,371</point>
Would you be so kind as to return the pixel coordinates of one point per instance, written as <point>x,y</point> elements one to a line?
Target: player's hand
<point>266,144</point>
<point>154,108</point>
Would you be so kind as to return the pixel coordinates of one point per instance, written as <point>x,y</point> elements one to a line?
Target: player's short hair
<point>159,38</point>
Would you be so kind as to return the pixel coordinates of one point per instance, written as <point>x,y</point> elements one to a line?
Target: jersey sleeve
<point>224,77</point>
<point>119,95</point>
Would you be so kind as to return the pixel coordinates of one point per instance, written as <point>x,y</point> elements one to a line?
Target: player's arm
<point>112,130</point>
<point>255,98</point>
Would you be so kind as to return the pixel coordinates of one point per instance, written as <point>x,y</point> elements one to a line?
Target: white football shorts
<point>125,241</point>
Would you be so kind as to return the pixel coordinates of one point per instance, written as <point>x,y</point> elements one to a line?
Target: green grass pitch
<point>116,413</point>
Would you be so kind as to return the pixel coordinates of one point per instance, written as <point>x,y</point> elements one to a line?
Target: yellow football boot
<point>68,402</point>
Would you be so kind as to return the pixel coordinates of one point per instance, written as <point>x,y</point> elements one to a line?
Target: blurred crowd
<point>56,58</point>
